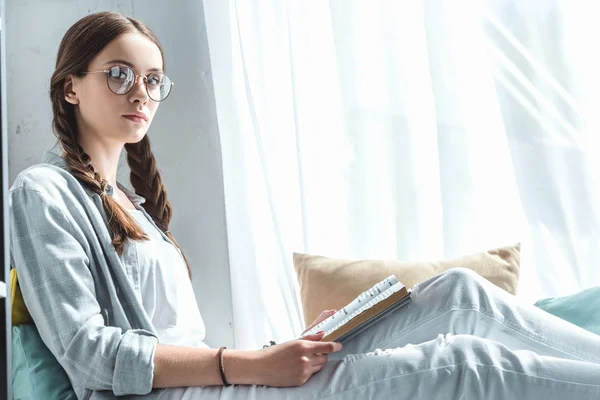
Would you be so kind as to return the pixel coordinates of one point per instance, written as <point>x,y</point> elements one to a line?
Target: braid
<point>82,42</point>
<point>147,182</point>
<point>120,224</point>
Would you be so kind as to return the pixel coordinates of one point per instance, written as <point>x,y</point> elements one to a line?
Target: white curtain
<point>412,130</point>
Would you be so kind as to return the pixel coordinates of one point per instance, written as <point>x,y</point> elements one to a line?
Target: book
<point>365,310</point>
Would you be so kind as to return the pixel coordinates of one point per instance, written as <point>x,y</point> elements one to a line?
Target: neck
<point>104,157</point>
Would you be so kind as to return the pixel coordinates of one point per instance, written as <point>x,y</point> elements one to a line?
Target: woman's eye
<point>153,79</point>
<point>118,73</point>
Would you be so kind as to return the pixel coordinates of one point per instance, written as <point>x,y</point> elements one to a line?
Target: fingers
<point>316,368</point>
<point>317,362</point>
<point>326,347</point>
<point>322,347</point>
<point>319,359</point>
<point>323,316</point>
<point>308,328</point>
<point>314,337</point>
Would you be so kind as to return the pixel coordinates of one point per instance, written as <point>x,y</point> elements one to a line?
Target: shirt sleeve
<point>48,251</point>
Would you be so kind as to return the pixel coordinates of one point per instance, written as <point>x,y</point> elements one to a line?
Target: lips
<point>136,117</point>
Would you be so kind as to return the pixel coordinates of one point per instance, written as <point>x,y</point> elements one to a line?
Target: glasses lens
<point>159,86</point>
<point>120,79</point>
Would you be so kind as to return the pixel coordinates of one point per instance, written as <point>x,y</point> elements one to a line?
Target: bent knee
<point>462,274</point>
<point>456,280</point>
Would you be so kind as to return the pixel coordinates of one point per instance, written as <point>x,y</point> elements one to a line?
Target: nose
<point>138,78</point>
<point>139,91</point>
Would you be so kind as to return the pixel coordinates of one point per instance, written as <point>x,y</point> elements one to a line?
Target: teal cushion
<point>581,308</point>
<point>36,372</point>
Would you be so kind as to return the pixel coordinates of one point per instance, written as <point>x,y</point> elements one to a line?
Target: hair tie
<point>108,189</point>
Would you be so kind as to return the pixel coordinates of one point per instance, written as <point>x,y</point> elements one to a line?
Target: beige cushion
<point>327,283</point>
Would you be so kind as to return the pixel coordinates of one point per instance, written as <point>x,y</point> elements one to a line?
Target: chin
<point>136,137</point>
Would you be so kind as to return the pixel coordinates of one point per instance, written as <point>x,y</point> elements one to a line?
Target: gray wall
<point>184,133</point>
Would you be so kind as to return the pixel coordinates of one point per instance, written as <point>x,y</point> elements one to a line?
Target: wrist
<point>242,367</point>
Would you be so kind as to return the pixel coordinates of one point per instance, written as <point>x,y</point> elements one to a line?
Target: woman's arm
<point>176,366</point>
<point>287,364</point>
<point>48,250</point>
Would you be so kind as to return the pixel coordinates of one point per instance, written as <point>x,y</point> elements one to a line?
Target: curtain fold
<point>404,130</point>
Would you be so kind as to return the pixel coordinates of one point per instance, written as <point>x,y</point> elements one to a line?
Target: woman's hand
<point>293,363</point>
<point>323,316</point>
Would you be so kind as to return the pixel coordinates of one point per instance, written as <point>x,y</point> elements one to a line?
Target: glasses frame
<point>106,72</point>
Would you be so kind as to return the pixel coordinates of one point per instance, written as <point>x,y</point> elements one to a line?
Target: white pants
<point>461,337</point>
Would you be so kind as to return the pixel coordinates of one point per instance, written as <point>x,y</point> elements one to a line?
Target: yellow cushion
<point>327,283</point>
<point>20,315</point>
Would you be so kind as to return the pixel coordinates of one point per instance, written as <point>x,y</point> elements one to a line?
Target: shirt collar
<point>54,159</point>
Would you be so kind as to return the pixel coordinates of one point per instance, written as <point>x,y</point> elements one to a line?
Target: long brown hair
<point>82,42</point>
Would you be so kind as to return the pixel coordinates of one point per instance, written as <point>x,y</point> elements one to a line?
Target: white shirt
<point>166,290</point>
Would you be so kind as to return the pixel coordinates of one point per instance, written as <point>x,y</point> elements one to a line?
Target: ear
<point>69,90</point>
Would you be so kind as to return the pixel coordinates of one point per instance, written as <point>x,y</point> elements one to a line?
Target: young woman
<point>110,293</point>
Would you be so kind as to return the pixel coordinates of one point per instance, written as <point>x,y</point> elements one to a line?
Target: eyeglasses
<point>121,79</point>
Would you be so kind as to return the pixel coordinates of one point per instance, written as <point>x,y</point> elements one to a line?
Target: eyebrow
<point>131,65</point>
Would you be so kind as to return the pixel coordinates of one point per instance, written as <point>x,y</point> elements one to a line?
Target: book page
<point>363,301</point>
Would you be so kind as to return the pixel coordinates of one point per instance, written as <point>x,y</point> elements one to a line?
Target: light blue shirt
<point>79,291</point>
